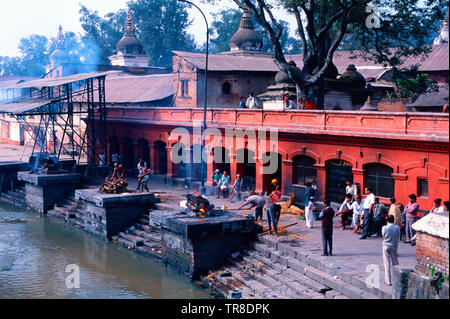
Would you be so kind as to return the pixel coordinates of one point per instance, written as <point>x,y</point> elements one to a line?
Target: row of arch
<point>304,167</point>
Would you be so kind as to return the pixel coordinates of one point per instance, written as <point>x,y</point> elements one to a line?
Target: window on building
<point>304,170</point>
<point>184,88</point>
<point>226,88</point>
<point>379,178</point>
<point>422,187</point>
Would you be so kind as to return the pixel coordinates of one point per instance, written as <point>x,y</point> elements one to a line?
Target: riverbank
<point>36,251</point>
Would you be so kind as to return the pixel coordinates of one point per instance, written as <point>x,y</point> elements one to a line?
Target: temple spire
<point>246,38</point>
<point>60,39</point>
<point>130,29</point>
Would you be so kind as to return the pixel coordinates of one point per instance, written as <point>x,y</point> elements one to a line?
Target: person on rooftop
<point>437,208</point>
<point>252,103</point>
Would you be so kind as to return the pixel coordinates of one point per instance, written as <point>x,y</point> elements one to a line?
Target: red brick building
<point>395,153</point>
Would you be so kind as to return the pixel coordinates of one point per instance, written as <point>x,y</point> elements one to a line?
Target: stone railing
<point>423,126</point>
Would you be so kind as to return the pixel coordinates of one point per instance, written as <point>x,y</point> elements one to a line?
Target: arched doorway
<point>128,153</point>
<point>160,158</point>
<point>143,150</point>
<point>269,157</point>
<point>303,170</point>
<point>338,172</point>
<point>379,178</point>
<point>246,166</point>
<point>221,159</point>
<point>196,160</point>
<point>179,166</point>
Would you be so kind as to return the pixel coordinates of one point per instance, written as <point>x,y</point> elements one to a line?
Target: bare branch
<point>301,31</point>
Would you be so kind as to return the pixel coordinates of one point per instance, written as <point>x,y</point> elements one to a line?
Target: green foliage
<point>101,35</point>
<point>161,26</point>
<point>416,86</point>
<point>226,23</point>
<point>32,60</point>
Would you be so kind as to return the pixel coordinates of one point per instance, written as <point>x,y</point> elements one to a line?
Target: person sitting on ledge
<point>224,184</point>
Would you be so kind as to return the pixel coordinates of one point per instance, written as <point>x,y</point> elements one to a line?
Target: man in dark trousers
<point>326,215</point>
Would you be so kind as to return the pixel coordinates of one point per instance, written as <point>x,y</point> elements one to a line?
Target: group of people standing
<point>373,218</point>
<point>303,103</point>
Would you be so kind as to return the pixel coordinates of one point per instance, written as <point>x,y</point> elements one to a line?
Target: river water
<point>34,254</point>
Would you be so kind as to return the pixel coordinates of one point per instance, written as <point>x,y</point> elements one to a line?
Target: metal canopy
<point>17,108</point>
<point>52,82</point>
<point>45,109</point>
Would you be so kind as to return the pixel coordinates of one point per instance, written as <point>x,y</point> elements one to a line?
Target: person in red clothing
<point>411,210</point>
<point>326,215</point>
<point>309,105</point>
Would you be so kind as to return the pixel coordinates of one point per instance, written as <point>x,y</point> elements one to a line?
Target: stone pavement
<point>350,254</point>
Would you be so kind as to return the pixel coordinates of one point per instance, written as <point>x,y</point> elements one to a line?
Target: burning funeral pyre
<point>199,206</point>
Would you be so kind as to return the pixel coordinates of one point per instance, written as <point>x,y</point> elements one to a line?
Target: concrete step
<point>349,277</point>
<point>301,284</point>
<point>326,279</point>
<point>136,240</point>
<point>18,200</point>
<point>155,237</point>
<point>278,289</point>
<point>225,284</point>
<point>144,227</point>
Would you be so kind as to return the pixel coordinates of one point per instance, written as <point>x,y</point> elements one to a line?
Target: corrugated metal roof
<point>437,60</point>
<point>432,99</point>
<point>135,89</point>
<point>22,107</point>
<point>7,81</point>
<point>49,82</point>
<point>222,62</point>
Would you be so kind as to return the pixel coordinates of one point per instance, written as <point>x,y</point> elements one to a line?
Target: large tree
<point>101,34</point>
<point>162,28</point>
<point>388,30</point>
<point>32,60</point>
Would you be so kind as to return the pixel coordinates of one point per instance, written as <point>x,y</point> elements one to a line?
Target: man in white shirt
<point>252,103</point>
<point>437,208</point>
<point>345,210</point>
<point>368,205</point>
<point>351,189</point>
<point>358,212</point>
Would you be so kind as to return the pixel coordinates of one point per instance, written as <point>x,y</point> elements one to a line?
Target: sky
<point>21,18</point>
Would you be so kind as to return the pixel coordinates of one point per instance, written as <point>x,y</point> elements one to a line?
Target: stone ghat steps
<point>312,267</point>
<point>16,197</point>
<point>141,238</point>
<point>267,273</point>
<point>70,211</point>
<point>268,280</point>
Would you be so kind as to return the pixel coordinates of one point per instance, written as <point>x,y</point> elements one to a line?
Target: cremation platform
<point>44,191</point>
<point>108,214</point>
<point>197,245</point>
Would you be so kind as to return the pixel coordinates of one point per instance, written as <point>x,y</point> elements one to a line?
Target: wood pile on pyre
<point>289,207</point>
<point>114,186</point>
